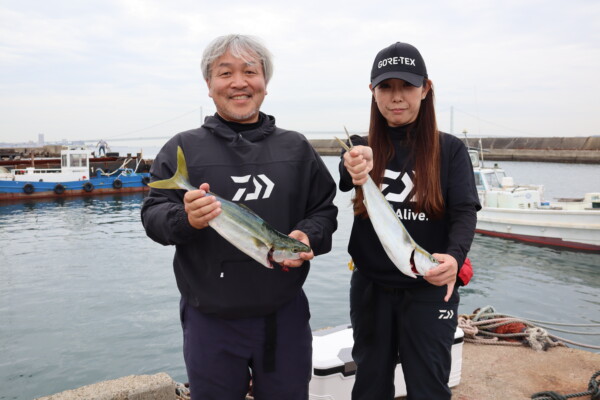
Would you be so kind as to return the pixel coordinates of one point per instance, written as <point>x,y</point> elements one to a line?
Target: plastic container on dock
<point>334,369</point>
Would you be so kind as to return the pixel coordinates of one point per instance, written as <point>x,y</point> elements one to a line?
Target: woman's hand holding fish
<point>301,236</point>
<point>359,162</point>
<point>444,274</point>
<point>201,208</point>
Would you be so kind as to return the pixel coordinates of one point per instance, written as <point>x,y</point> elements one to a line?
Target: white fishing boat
<point>519,212</point>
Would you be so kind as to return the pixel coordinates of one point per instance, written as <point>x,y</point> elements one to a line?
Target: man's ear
<point>208,86</point>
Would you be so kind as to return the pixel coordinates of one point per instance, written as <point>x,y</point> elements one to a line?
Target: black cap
<point>400,61</point>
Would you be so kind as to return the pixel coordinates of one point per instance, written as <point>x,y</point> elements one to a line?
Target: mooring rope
<point>549,325</point>
<point>182,391</point>
<point>593,391</point>
<point>483,325</point>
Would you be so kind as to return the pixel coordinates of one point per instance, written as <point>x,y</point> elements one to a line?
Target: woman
<point>427,177</point>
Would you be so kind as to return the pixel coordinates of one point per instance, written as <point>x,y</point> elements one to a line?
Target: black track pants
<point>413,326</point>
<point>222,355</point>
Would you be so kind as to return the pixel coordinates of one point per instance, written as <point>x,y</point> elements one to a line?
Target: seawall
<point>574,150</point>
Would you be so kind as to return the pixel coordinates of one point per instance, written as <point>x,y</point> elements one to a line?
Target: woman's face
<point>399,101</point>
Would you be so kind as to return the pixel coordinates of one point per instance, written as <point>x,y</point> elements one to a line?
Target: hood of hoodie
<point>221,129</point>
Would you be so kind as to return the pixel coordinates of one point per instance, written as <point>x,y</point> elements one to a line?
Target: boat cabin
<point>75,166</point>
<point>488,178</point>
<point>499,191</point>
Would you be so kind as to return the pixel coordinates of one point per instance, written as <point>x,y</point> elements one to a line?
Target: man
<point>102,145</point>
<point>241,320</point>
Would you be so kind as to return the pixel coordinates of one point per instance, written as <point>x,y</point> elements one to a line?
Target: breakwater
<point>574,150</point>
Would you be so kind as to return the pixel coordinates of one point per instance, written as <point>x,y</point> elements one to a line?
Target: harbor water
<point>85,296</point>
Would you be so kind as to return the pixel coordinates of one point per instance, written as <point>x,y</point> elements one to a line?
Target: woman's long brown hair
<point>424,142</point>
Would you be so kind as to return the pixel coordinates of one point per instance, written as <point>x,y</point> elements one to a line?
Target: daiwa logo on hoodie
<point>259,181</point>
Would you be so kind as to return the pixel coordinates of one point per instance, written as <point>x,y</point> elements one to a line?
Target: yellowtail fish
<point>239,225</point>
<point>395,239</point>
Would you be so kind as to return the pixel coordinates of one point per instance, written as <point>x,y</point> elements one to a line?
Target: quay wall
<point>575,150</point>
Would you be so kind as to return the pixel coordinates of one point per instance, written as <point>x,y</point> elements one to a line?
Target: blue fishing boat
<point>75,177</point>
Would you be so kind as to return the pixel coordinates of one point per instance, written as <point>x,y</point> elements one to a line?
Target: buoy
<point>88,187</point>
<point>117,184</point>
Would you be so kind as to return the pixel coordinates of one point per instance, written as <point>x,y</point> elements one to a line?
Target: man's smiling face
<point>237,87</point>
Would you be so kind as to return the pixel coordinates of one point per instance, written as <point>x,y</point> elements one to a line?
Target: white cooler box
<point>334,369</point>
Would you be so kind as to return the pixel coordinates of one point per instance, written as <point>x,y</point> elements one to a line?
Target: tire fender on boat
<point>59,188</point>
<point>88,187</point>
<point>28,188</point>
<point>117,184</point>
<point>145,180</point>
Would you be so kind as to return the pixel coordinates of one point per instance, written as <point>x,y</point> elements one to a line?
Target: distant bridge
<point>129,138</point>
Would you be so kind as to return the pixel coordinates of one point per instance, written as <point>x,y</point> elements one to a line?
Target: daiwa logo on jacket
<point>267,184</point>
<point>393,177</point>
<point>397,191</point>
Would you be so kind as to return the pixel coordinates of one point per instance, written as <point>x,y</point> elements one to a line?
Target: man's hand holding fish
<point>294,263</point>
<point>201,208</point>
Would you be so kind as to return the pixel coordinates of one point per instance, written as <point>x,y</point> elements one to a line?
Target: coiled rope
<point>593,391</point>
<point>482,327</point>
<point>182,391</point>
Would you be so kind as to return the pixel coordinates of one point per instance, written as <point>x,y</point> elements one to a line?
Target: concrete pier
<point>488,373</point>
<point>575,150</point>
<point>495,372</point>
<point>135,387</point>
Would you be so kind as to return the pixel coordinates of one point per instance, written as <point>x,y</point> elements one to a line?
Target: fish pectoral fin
<point>264,251</point>
<point>259,243</point>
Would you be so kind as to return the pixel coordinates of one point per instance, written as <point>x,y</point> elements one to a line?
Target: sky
<point>119,69</point>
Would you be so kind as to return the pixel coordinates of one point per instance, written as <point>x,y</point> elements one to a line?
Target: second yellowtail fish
<point>395,239</point>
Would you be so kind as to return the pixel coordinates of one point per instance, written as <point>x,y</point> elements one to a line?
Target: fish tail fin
<point>344,145</point>
<point>349,139</point>
<point>181,178</point>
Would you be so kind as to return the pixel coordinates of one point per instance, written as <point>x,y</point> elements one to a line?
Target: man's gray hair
<point>240,46</point>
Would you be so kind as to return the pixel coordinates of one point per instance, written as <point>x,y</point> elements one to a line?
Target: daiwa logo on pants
<point>259,182</point>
